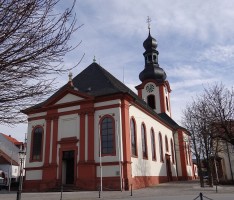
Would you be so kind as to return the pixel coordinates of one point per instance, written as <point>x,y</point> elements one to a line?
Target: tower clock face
<point>150,88</point>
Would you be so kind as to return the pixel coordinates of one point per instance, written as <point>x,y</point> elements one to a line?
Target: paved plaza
<point>188,190</point>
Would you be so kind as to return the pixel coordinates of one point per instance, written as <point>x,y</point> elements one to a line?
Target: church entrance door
<point>168,164</point>
<point>68,167</point>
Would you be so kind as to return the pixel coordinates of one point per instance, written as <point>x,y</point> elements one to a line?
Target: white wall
<point>143,167</point>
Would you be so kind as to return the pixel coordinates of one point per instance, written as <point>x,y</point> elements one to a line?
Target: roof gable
<point>69,98</point>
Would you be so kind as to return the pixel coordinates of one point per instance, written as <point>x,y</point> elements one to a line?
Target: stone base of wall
<point>108,183</point>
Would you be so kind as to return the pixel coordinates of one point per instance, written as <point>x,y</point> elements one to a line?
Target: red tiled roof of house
<point>11,139</point>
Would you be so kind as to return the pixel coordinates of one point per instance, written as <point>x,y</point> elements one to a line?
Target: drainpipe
<point>175,152</point>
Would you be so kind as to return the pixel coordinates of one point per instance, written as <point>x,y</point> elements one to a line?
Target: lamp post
<point>22,154</point>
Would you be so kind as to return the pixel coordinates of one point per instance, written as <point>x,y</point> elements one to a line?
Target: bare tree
<point>220,113</point>
<point>199,137</point>
<point>34,37</point>
<point>209,119</point>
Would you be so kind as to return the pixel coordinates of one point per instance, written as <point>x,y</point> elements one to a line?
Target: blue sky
<point>195,44</point>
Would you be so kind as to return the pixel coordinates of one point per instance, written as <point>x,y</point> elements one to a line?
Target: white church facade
<point>95,132</point>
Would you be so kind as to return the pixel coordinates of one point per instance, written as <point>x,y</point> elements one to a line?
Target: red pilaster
<point>91,136</point>
<point>162,99</point>
<point>82,137</point>
<point>182,154</point>
<point>47,141</point>
<point>126,143</point>
<point>55,140</point>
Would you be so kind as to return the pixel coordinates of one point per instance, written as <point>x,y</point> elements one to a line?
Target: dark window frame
<point>153,145</point>
<point>134,150</point>
<point>144,142</point>
<point>37,144</point>
<point>108,147</point>
<point>166,144</point>
<point>151,101</point>
<point>161,147</point>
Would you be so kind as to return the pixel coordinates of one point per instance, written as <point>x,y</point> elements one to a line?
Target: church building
<point>95,132</point>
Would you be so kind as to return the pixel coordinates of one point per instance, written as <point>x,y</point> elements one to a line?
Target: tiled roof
<point>11,139</point>
<point>96,81</point>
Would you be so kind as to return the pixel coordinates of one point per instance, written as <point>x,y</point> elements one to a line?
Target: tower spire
<point>152,69</point>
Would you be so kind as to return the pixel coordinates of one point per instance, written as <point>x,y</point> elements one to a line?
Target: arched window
<point>153,148</point>
<point>133,137</point>
<point>160,146</point>
<point>166,144</point>
<point>167,104</point>
<point>151,101</point>
<point>107,136</point>
<point>37,139</point>
<point>172,152</point>
<point>144,142</point>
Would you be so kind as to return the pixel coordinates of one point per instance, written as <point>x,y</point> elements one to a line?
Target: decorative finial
<point>70,76</point>
<point>148,22</point>
<point>94,59</point>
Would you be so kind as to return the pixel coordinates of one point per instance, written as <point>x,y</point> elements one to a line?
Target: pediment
<point>69,98</point>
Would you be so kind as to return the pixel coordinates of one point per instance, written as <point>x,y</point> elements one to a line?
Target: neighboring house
<point>95,131</point>
<point>225,163</point>
<point>9,158</point>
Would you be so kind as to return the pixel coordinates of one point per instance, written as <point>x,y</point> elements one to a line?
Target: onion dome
<point>150,43</point>
<point>152,69</point>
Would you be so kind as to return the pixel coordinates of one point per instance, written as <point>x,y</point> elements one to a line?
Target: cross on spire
<point>148,22</point>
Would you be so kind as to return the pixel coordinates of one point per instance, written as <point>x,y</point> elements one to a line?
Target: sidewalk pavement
<point>187,190</point>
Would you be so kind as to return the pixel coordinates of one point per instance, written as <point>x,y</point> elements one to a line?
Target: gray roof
<point>96,81</point>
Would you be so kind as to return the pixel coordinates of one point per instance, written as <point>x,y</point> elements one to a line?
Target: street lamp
<point>22,154</point>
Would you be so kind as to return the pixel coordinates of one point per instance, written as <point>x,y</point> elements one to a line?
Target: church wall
<point>113,159</point>
<point>70,108</point>
<point>31,125</point>
<point>68,98</point>
<point>177,152</point>
<point>167,96</point>
<point>34,175</point>
<point>37,114</point>
<point>108,171</point>
<point>148,167</point>
<point>155,93</point>
<point>68,126</point>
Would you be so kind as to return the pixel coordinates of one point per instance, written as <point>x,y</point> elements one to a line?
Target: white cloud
<point>219,54</point>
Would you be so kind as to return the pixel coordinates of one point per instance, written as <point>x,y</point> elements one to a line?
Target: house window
<point>37,136</point>
<point>143,141</point>
<point>172,152</point>
<point>133,137</point>
<point>107,136</point>
<point>151,101</point>
<point>160,146</point>
<point>153,145</point>
<point>166,143</point>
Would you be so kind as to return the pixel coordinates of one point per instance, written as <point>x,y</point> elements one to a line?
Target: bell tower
<point>154,89</point>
